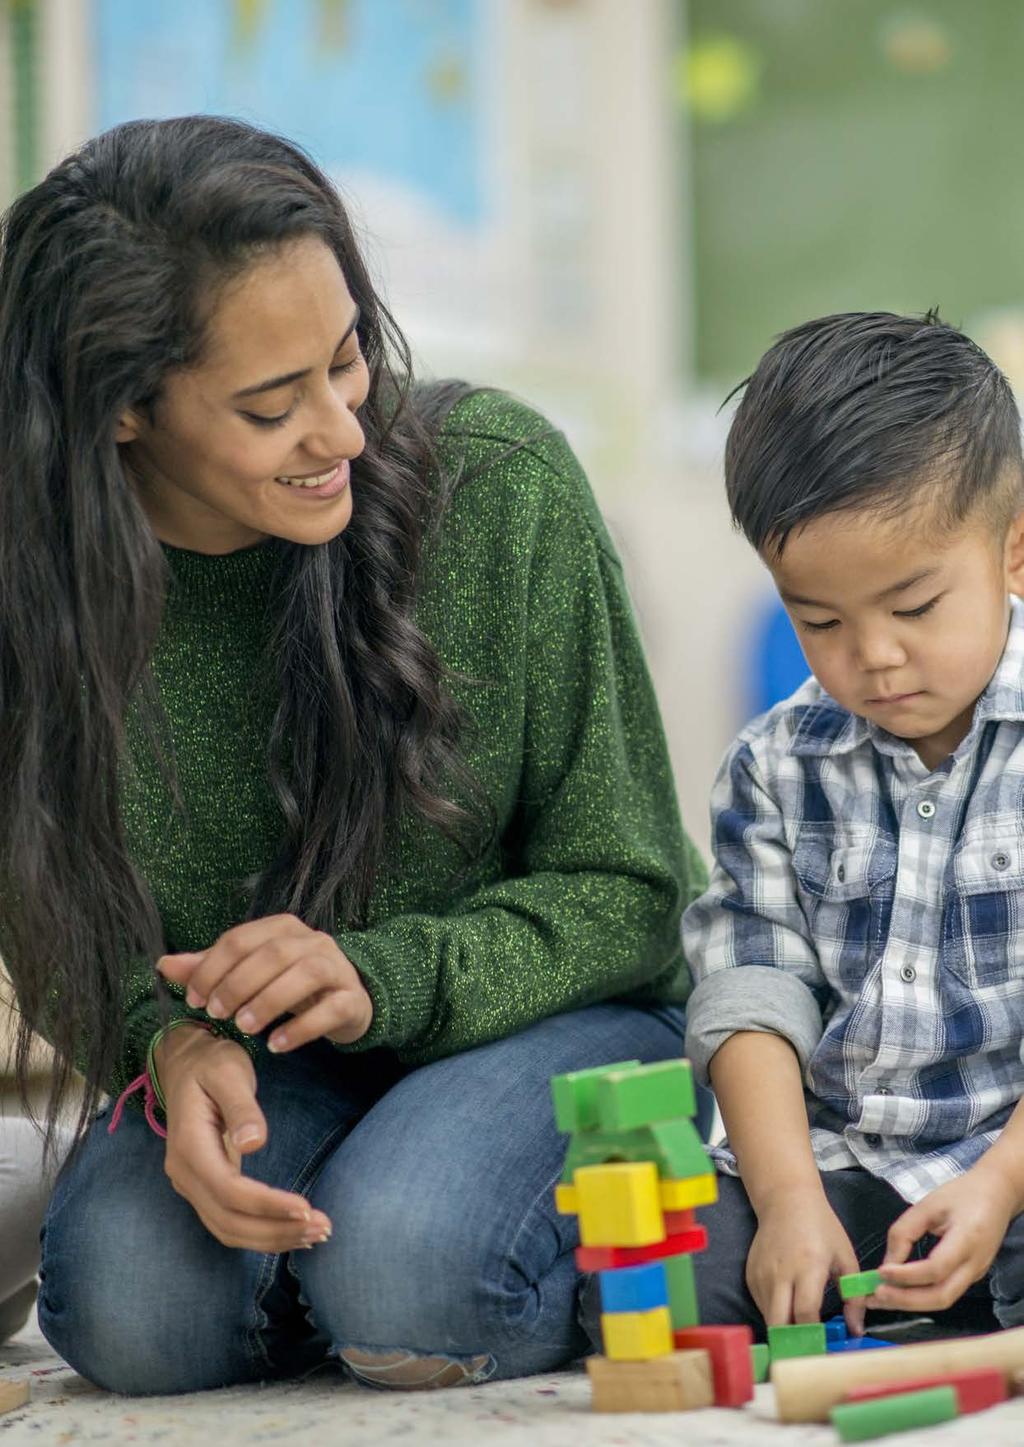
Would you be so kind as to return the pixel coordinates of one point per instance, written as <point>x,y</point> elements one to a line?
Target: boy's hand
<point>270,967</point>
<point>970,1215</point>
<point>800,1244</point>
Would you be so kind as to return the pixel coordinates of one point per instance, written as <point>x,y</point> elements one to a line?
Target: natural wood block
<point>14,1394</point>
<point>679,1382</point>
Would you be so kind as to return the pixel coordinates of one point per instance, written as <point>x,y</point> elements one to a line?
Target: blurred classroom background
<point>610,207</point>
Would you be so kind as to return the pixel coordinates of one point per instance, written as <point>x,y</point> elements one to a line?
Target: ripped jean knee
<point>399,1369</point>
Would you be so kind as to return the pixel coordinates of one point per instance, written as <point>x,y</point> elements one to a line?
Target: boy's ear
<point>128,426</point>
<point>1014,555</point>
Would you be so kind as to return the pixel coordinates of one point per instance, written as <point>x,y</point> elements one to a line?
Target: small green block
<point>682,1291</point>
<point>575,1095</point>
<point>806,1339</point>
<point>760,1360</point>
<point>859,1283</point>
<point>673,1145</point>
<point>631,1098</point>
<point>860,1421</point>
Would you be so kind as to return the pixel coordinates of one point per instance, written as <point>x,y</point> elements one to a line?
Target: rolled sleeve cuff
<point>750,997</point>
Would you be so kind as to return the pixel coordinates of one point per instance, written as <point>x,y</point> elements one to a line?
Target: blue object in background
<point>634,1288</point>
<point>777,663</point>
<point>835,1330</point>
<point>859,1344</point>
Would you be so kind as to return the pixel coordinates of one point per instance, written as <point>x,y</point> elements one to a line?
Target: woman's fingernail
<point>193,999</point>
<point>278,1041</point>
<point>246,1133</point>
<point>246,1020</point>
<point>216,1009</point>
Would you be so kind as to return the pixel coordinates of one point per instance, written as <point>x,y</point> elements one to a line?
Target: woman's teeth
<point>309,481</point>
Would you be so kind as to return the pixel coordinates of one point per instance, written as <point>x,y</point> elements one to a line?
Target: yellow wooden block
<point>680,1382</point>
<point>618,1204</point>
<point>637,1336</point>
<point>684,1195</point>
<point>565,1200</point>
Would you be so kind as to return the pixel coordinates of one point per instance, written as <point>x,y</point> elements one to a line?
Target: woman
<point>322,694</point>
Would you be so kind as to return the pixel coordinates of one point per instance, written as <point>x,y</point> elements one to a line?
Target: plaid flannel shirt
<point>871,911</point>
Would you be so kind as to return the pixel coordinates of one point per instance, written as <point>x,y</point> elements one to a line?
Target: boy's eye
<point>819,627</point>
<point>919,612</point>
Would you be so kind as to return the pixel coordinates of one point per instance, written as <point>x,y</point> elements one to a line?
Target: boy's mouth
<point>891,698</point>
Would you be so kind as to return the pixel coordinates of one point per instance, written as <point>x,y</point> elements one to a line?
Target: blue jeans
<point>439,1182</point>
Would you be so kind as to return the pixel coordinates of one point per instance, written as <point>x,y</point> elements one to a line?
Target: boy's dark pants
<point>867,1207</point>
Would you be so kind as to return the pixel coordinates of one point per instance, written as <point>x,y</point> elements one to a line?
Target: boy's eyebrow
<point>272,383</point>
<point>900,587</point>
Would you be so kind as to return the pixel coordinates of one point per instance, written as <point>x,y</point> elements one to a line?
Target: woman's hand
<point>269,967</point>
<point>212,1121</point>
<point>800,1244</point>
<point>970,1215</point>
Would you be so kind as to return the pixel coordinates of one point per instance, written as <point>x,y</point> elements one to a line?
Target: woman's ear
<point>128,425</point>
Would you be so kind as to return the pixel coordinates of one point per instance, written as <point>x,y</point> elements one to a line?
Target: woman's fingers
<point>338,1014</point>
<point>234,947</point>
<point>305,980</point>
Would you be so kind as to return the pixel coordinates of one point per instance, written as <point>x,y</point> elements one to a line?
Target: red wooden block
<point>676,1222</point>
<point>732,1364</point>
<point>975,1390</point>
<point>607,1258</point>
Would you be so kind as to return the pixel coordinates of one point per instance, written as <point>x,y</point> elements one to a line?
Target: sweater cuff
<point>750,997</point>
<point>402,1008</point>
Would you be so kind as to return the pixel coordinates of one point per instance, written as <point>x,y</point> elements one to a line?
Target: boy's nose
<point>877,651</point>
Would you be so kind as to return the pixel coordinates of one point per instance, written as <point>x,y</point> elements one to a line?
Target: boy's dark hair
<point>871,409</point>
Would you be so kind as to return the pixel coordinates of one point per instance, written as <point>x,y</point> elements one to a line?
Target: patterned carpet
<point>549,1411</point>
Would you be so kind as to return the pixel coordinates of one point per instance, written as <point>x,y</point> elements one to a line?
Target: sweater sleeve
<point>598,867</point>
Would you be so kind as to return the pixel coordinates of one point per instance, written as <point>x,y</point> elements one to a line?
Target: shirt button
<point>841,871</point>
<point>884,1090</point>
<point>926,809</point>
<point>874,1141</point>
<point>1000,861</point>
<point>908,973</point>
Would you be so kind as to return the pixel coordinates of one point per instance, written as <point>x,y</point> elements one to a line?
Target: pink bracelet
<point>141,1082</point>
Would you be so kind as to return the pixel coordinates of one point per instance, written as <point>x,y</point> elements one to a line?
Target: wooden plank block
<point>679,1382</point>
<point>14,1394</point>
<point>608,1258</point>
<point>663,1090</point>
<point>976,1390</point>
<point>806,1339</point>
<point>732,1366</point>
<point>806,1388</point>
<point>859,1283</point>
<point>860,1421</point>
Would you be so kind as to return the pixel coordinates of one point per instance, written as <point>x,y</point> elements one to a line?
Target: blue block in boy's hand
<point>858,1344</point>
<point>835,1330</point>
<point>634,1288</point>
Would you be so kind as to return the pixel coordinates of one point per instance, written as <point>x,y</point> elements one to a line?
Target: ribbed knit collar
<point>208,578</point>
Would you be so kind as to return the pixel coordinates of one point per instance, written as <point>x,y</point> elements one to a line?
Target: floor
<point>548,1411</point>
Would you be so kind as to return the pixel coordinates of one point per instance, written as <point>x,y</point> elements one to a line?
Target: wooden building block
<point>673,1145</point>
<point>630,1098</point>
<point>609,1258</point>
<point>575,1096</point>
<point>678,1221</point>
<point>634,1288</point>
<point>682,1291</point>
<point>636,1336</point>
<point>15,1394</point>
<point>619,1204</point>
<point>760,1360</point>
<point>859,1283</point>
<point>858,1344</point>
<point>860,1421</point>
<point>807,1387</point>
<point>684,1195</point>
<point>679,1382</point>
<point>566,1199</point>
<point>731,1365</point>
<point>803,1340</point>
<point>976,1390</point>
<point>835,1330</point>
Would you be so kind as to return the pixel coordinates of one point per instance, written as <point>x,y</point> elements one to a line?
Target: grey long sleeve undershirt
<point>750,997</point>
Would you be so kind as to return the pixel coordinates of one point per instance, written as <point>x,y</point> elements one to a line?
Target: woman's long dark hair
<point>109,269</point>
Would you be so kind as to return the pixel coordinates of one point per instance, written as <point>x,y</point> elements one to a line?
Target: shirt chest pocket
<point>983,921</point>
<point>842,877</point>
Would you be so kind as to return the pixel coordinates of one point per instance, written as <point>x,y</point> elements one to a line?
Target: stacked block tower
<point>635,1172</point>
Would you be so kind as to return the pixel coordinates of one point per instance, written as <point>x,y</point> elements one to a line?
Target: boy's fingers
<point>780,1305</point>
<point>854,1312</point>
<point>904,1233</point>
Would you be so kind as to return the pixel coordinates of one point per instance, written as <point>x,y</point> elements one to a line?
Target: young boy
<point>859,953</point>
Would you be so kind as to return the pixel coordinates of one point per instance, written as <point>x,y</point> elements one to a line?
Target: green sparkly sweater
<point>580,896</point>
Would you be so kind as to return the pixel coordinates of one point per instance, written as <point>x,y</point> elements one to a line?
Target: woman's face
<point>273,401</point>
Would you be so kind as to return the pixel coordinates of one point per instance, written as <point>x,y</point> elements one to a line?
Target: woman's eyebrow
<point>272,383</point>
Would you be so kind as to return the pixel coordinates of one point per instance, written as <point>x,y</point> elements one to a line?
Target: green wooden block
<point>760,1360</point>
<point>859,1283</point>
<point>575,1095</point>
<point>803,1340</point>
<point>673,1145</point>
<point>860,1421</point>
<point>682,1291</point>
<point>630,1098</point>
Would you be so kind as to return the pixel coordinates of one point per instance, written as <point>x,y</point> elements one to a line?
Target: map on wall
<point>387,96</point>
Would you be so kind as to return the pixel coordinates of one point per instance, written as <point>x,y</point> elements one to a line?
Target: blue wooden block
<point>634,1288</point>
<point>835,1330</point>
<point>859,1344</point>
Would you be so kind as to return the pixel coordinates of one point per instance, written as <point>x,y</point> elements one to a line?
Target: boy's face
<point>900,622</point>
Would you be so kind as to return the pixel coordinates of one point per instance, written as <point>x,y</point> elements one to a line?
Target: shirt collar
<point>825,727</point>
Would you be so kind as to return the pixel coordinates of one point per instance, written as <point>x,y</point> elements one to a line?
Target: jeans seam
<point>541,1196</point>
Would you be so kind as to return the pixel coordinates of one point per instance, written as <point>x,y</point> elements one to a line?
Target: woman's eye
<point>347,366</point>
<point>268,421</point>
